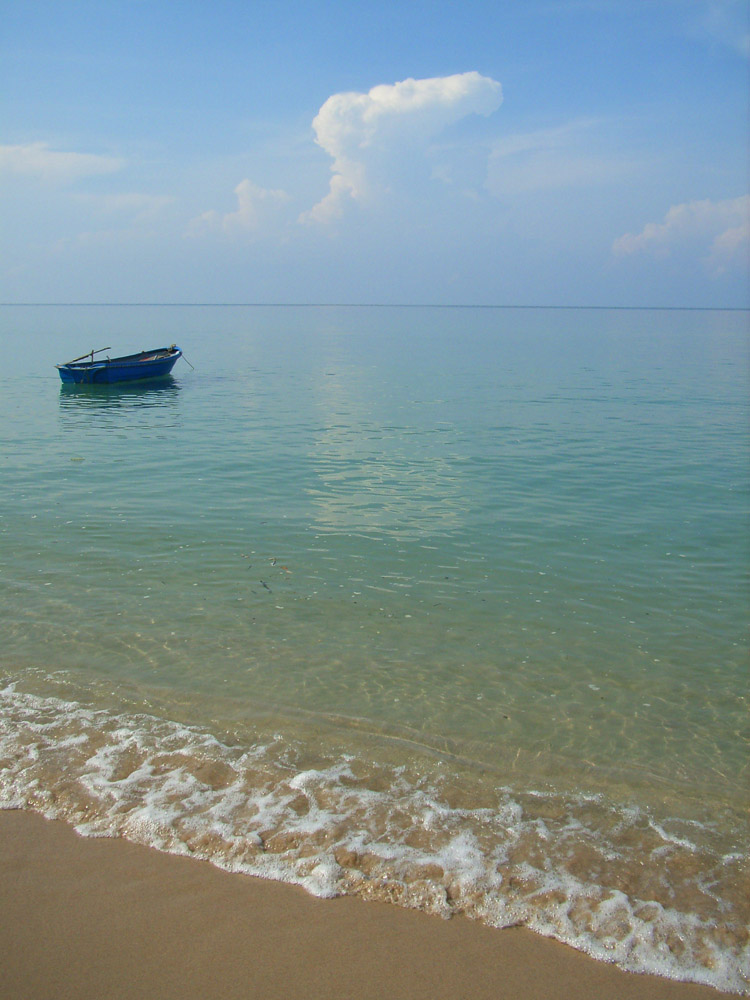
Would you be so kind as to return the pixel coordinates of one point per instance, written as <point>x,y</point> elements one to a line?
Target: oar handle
<point>88,354</point>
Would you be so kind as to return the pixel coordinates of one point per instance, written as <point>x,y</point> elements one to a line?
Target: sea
<point>446,607</point>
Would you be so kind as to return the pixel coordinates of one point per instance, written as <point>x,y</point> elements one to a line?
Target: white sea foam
<point>613,882</point>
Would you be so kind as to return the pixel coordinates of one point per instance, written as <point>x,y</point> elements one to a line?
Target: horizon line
<point>369,305</point>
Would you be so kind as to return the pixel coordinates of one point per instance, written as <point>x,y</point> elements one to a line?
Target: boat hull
<point>133,368</point>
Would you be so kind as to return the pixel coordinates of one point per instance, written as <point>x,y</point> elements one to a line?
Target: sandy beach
<point>94,918</point>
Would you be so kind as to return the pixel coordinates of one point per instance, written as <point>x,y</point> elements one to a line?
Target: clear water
<point>442,606</point>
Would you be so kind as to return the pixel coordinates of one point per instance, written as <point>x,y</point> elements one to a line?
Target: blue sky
<point>536,152</point>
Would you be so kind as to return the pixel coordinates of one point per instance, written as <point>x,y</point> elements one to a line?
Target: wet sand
<point>85,919</point>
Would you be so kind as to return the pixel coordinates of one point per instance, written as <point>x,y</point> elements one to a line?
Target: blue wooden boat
<point>147,364</point>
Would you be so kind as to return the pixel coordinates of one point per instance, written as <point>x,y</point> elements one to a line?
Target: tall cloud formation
<point>364,132</point>
<point>720,228</point>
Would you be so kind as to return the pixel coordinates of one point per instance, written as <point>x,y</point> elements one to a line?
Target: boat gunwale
<point>156,354</point>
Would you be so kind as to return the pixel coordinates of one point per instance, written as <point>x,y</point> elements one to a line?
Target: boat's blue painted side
<point>148,364</point>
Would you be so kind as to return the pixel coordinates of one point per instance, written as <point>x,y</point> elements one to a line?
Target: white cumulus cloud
<point>255,205</point>
<point>719,229</point>
<point>369,136</point>
<point>36,159</point>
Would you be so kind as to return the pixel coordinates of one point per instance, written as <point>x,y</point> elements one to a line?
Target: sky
<point>513,152</point>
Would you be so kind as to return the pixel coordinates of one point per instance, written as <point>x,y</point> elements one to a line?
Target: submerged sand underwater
<point>445,608</point>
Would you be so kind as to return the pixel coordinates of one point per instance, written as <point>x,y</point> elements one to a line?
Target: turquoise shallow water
<point>443,606</point>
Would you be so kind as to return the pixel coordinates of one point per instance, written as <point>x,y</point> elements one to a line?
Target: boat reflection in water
<point>119,393</point>
<point>120,404</point>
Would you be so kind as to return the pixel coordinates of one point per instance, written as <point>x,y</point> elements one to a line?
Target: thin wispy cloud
<point>370,136</point>
<point>717,21</point>
<point>726,23</point>
<point>37,160</point>
<point>130,203</point>
<point>546,159</point>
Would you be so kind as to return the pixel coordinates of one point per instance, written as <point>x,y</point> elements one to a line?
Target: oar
<point>88,354</point>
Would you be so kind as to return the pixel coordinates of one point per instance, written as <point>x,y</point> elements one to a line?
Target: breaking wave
<point>650,894</point>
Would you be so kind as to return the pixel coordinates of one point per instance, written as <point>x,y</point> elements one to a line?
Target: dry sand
<point>105,919</point>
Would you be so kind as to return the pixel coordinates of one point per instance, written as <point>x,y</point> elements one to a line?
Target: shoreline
<point>86,918</point>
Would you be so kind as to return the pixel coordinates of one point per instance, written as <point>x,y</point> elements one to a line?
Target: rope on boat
<point>185,359</point>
